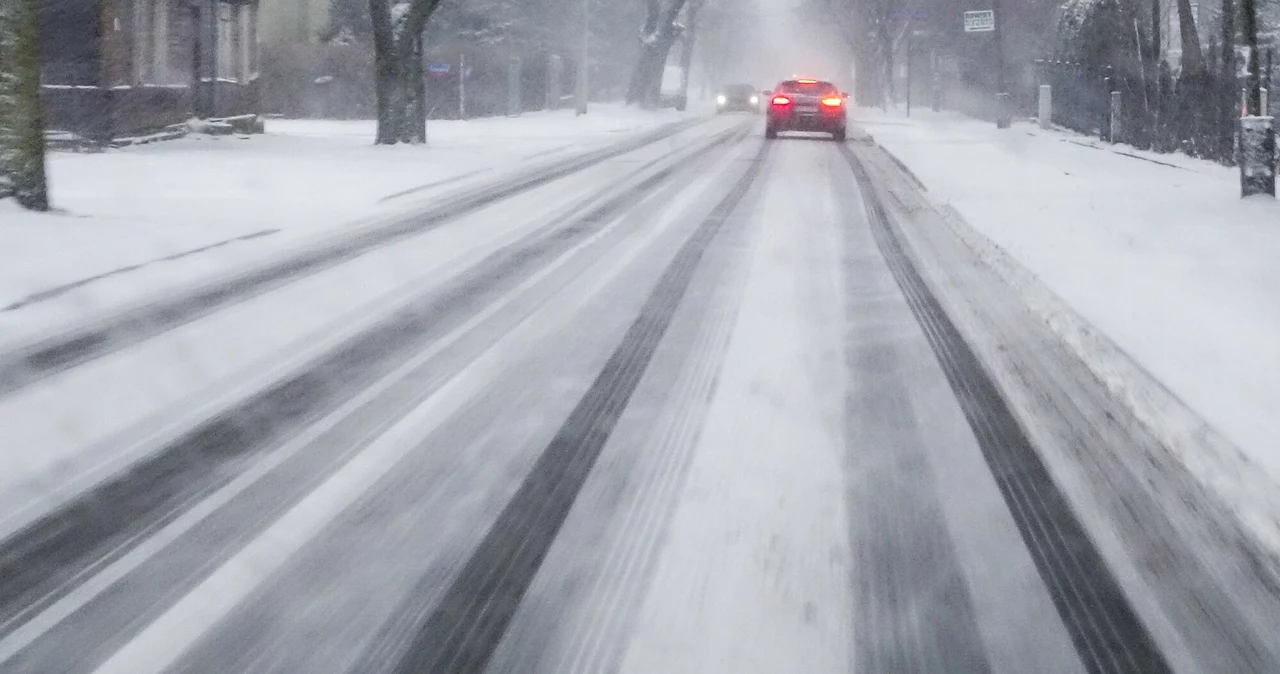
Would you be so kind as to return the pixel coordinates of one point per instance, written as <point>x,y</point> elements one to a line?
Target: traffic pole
<point>1004,109</point>
<point>583,52</point>
<point>909,31</point>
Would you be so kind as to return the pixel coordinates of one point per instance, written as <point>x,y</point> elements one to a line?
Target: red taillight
<point>833,102</point>
<point>781,100</point>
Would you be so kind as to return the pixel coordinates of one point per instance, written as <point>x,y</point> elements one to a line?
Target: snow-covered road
<point>693,409</point>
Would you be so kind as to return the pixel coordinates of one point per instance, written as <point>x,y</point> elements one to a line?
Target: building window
<point>151,45</point>
<point>236,51</point>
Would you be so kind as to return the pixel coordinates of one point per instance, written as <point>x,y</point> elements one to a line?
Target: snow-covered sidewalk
<point>139,219</point>
<point>1157,251</point>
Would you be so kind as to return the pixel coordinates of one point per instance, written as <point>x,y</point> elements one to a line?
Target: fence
<point>1195,114</point>
<point>336,81</point>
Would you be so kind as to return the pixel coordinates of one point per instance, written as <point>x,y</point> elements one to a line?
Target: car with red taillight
<point>806,105</point>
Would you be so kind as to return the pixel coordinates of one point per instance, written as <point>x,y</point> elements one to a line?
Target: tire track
<point>460,633</point>
<point>26,365</point>
<point>1107,633</point>
<point>48,558</point>
<point>573,622</point>
<point>914,611</point>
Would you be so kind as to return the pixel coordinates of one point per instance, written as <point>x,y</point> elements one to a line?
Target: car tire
<point>838,135</point>
<point>770,132</point>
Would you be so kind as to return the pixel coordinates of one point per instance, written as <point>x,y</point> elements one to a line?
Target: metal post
<point>1257,156</point>
<point>555,77</point>
<point>1116,131</point>
<point>936,85</point>
<point>909,31</point>
<point>515,98</point>
<point>1046,105</point>
<point>584,51</point>
<point>1108,86</point>
<point>462,86</point>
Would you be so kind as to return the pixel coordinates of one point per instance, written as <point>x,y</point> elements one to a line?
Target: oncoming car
<point>806,105</point>
<point>737,98</point>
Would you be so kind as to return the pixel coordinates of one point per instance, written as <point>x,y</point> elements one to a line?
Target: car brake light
<point>781,100</point>
<point>807,81</point>
<point>833,101</point>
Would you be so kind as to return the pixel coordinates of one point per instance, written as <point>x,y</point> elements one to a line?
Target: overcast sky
<point>779,43</point>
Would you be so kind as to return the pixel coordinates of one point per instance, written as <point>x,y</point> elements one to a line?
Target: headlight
<point>720,100</point>
<point>755,99</point>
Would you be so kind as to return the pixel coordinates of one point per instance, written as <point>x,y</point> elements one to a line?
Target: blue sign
<point>438,69</point>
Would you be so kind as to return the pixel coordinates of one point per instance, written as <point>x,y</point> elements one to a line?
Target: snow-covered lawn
<point>1157,251</point>
<point>155,215</point>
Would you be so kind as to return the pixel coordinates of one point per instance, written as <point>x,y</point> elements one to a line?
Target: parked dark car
<point>806,105</point>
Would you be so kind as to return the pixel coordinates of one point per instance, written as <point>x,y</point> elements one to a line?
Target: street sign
<point>981,21</point>
<point>438,69</point>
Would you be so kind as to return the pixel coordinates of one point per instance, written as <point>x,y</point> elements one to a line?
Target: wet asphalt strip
<point>27,365</point>
<point>1107,633</point>
<point>462,630</point>
<point>44,561</point>
<point>913,610</point>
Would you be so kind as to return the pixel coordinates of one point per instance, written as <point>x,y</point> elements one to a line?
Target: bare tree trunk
<point>22,174</point>
<point>419,95</point>
<point>413,95</point>
<point>1192,59</point>
<point>648,35</point>
<point>386,73</point>
<point>690,37</point>
<point>1228,37</point>
<point>399,84</point>
<point>646,79</point>
<point>1157,51</point>
<point>658,66</point>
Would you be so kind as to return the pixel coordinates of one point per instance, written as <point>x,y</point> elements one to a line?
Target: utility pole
<point>584,51</point>
<point>908,56</point>
<point>1004,107</point>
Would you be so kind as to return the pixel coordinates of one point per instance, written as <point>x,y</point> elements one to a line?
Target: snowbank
<point>1157,251</point>
<point>128,217</point>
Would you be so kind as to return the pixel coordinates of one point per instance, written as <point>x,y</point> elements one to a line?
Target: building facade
<point>116,68</point>
<point>293,21</point>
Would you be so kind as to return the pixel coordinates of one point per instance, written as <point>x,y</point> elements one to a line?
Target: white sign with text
<point>981,21</point>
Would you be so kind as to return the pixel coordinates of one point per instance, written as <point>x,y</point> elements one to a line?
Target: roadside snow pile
<point>151,216</point>
<point>1157,251</point>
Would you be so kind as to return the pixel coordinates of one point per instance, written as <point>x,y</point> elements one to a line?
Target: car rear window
<point>813,88</point>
